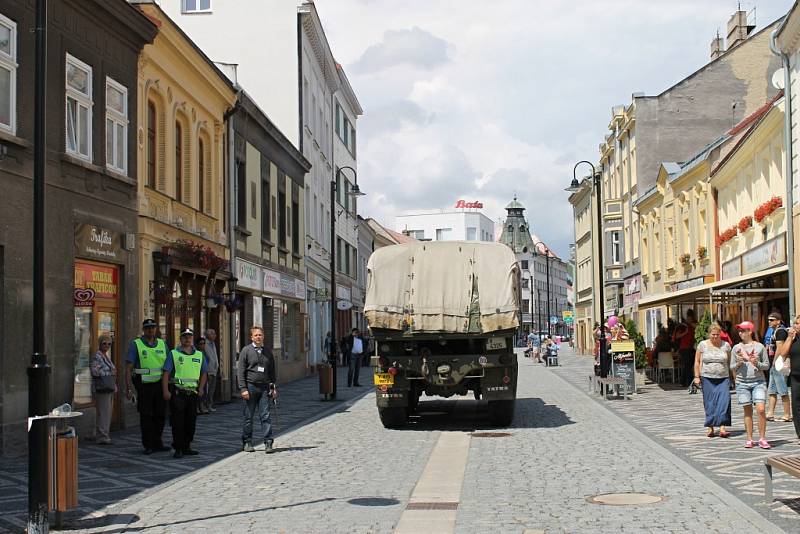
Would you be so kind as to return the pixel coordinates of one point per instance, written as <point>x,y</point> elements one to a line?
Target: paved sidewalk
<point>112,475</point>
<point>675,419</point>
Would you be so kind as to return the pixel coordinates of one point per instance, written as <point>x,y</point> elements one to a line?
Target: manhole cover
<point>490,434</point>
<point>624,499</point>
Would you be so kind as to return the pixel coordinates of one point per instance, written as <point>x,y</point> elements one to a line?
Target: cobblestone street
<point>345,473</point>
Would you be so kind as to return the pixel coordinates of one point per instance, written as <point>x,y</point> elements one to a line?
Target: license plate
<point>384,379</point>
<point>495,343</point>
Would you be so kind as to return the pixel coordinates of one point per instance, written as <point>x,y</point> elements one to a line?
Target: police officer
<point>185,373</point>
<point>145,360</point>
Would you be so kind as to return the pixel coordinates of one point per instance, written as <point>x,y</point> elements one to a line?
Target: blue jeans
<point>259,398</point>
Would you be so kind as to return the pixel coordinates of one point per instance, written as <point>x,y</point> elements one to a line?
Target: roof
<point>515,205</point>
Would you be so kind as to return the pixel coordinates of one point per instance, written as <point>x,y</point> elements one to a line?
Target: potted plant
<point>685,259</point>
<point>640,351</point>
<point>745,223</point>
<point>702,252</point>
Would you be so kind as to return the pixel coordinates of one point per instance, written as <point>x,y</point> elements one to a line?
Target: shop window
<point>79,108</point>
<point>178,306</point>
<point>116,126</point>
<point>8,75</point>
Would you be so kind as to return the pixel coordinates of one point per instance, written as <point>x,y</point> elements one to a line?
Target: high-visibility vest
<point>151,360</point>
<point>187,369</point>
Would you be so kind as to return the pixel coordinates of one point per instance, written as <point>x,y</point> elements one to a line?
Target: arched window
<point>178,162</point>
<point>151,143</point>
<point>201,175</point>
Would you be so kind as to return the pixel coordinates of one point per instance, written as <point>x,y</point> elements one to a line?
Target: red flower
<point>745,223</point>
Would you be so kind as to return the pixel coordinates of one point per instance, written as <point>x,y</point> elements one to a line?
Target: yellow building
<point>712,233</point>
<point>181,239</point>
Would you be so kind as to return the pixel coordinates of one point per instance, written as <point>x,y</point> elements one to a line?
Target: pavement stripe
<point>440,483</point>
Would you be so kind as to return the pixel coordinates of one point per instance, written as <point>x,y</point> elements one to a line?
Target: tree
<point>638,340</point>
<point>701,330</point>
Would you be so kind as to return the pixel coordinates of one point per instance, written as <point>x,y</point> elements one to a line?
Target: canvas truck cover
<point>445,286</point>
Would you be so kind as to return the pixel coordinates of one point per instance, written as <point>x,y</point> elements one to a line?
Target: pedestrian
<point>356,344</point>
<point>212,359</point>
<point>345,346</point>
<point>256,372</point>
<point>774,338</point>
<point>183,378</point>
<point>749,360</point>
<point>791,349</point>
<point>144,366</point>
<point>725,332</point>
<point>684,336</point>
<point>712,371</point>
<point>104,387</point>
<point>200,346</point>
<point>327,345</point>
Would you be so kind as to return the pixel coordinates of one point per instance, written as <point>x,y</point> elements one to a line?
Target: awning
<point>715,291</point>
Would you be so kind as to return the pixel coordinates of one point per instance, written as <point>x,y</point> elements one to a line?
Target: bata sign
<point>464,204</point>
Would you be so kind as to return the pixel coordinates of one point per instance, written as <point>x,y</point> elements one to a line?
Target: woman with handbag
<point>790,349</point>
<point>712,363</point>
<point>104,386</point>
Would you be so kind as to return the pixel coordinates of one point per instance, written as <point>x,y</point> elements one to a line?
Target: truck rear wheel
<point>501,412</point>
<point>393,417</point>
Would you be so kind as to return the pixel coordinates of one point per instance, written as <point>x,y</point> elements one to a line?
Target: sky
<point>478,100</point>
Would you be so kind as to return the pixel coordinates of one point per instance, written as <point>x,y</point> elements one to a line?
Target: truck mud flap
<point>499,384</point>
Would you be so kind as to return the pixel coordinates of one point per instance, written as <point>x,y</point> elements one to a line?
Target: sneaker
<point>248,447</point>
<point>268,447</point>
<point>212,409</point>
<point>748,444</point>
<point>764,444</point>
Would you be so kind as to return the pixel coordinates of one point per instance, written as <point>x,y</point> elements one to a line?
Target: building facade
<point>584,205</point>
<point>182,240</point>
<point>91,262</point>
<point>285,62</point>
<point>270,224</point>
<point>458,224</point>
<point>545,276</point>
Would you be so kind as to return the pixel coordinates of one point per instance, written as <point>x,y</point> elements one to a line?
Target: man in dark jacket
<point>255,370</point>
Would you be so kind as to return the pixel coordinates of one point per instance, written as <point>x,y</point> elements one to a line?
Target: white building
<point>283,60</point>
<point>457,224</point>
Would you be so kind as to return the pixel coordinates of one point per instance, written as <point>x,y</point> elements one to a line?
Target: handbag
<point>782,366</point>
<point>105,384</point>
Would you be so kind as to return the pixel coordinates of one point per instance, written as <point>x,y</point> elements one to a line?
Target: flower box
<point>745,223</point>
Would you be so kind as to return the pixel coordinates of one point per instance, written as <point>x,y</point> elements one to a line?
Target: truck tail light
<point>506,379</point>
<point>392,371</point>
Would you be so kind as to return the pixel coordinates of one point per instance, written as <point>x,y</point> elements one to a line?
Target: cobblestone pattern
<point>565,448</point>
<point>675,419</point>
<point>113,474</point>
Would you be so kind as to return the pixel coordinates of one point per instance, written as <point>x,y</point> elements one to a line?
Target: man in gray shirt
<point>213,369</point>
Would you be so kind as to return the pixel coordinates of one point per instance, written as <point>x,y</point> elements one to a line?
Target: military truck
<point>444,316</point>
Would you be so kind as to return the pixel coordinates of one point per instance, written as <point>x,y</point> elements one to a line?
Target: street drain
<point>624,499</point>
<point>490,434</point>
<point>432,506</point>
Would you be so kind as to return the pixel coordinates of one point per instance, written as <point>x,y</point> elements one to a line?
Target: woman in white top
<point>711,369</point>
<point>749,361</point>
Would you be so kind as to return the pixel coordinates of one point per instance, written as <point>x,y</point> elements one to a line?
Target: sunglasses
<point>105,344</point>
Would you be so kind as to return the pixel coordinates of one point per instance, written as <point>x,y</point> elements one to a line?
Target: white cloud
<point>488,99</point>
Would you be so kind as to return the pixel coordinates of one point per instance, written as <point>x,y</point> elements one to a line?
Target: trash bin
<point>325,372</point>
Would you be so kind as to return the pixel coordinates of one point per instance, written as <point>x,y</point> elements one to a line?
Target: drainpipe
<point>228,118</point>
<point>787,141</point>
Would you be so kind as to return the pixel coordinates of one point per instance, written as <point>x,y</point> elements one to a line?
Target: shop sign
<point>732,269</point>
<point>686,284</point>
<point>272,282</point>
<point>769,254</point>
<point>343,293</point>
<point>249,275</point>
<point>287,285</point>
<point>93,241</point>
<point>83,298</point>
<point>103,280</point>
<point>344,305</point>
<point>299,289</point>
<point>463,204</point>
<point>527,318</point>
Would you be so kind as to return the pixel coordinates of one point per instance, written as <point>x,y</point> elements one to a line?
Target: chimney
<point>717,46</point>
<point>738,28</point>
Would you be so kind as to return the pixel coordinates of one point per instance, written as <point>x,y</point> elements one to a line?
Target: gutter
<point>787,141</point>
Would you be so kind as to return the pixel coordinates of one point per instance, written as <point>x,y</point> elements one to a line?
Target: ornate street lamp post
<point>354,192</point>
<point>605,357</point>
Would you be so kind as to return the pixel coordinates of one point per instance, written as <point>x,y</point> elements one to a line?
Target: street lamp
<point>547,276</point>
<point>354,192</point>
<point>605,358</point>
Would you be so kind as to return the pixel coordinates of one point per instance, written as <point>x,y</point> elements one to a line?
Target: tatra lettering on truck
<point>444,317</point>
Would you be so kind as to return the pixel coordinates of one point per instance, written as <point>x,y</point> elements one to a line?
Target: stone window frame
<point>81,100</point>
<point>117,118</point>
<point>8,61</point>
